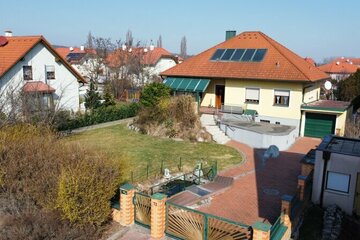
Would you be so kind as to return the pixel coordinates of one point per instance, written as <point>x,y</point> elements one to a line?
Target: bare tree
<point>183,47</point>
<point>89,42</point>
<point>159,42</point>
<point>352,129</point>
<point>129,39</point>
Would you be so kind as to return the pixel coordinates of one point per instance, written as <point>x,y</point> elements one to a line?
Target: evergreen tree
<point>108,96</point>
<point>92,98</point>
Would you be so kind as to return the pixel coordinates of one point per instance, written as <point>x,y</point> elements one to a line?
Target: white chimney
<point>8,33</point>
<point>151,46</point>
<point>337,63</point>
<point>71,49</point>
<point>82,48</point>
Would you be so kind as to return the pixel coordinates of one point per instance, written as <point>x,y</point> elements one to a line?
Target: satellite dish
<point>327,85</point>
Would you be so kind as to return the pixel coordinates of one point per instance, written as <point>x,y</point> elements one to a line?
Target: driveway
<point>258,186</point>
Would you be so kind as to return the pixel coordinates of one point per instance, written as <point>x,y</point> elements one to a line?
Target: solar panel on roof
<point>227,55</point>
<point>248,55</point>
<point>217,54</point>
<point>259,55</point>
<point>237,55</point>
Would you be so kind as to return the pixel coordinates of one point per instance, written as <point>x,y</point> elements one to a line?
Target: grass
<point>137,151</point>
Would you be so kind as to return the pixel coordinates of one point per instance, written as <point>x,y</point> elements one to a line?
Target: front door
<point>219,96</point>
<point>357,195</point>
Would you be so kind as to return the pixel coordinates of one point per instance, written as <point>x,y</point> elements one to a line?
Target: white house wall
<point>66,95</point>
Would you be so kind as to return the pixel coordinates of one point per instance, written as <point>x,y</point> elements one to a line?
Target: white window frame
<point>338,182</point>
<point>281,96</point>
<point>48,69</point>
<point>252,99</point>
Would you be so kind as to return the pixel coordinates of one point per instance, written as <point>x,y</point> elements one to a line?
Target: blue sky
<point>315,28</point>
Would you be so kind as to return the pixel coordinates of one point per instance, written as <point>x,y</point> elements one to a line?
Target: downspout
<point>326,157</point>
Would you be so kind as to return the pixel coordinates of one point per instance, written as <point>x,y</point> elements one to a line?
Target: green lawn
<point>139,151</point>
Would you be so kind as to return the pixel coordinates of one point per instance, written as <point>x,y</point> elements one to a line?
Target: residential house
<point>254,72</point>
<point>339,69</point>
<point>31,65</point>
<point>141,64</point>
<point>337,174</point>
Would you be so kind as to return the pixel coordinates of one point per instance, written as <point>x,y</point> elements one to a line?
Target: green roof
<point>187,84</point>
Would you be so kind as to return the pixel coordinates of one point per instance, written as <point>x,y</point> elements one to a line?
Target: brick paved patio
<point>257,189</point>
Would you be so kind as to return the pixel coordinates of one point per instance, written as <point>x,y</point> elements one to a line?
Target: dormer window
<point>50,72</point>
<point>27,72</point>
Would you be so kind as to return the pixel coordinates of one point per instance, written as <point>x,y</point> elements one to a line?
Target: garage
<point>319,125</point>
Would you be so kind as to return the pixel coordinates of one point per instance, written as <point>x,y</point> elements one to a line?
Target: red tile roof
<point>37,86</point>
<point>338,67</point>
<point>64,51</point>
<point>18,47</point>
<point>120,56</point>
<point>310,60</point>
<point>279,62</point>
<point>354,61</point>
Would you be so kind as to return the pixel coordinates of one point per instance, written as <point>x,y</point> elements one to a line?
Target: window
<point>50,72</point>
<point>252,95</point>
<point>338,182</point>
<point>282,97</point>
<point>27,72</point>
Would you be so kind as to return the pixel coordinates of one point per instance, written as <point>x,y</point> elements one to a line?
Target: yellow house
<point>251,71</point>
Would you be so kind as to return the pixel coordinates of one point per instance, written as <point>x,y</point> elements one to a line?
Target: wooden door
<point>357,195</point>
<point>219,96</point>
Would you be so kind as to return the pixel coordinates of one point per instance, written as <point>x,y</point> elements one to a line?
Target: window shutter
<point>50,68</point>
<point>283,93</point>
<point>252,93</point>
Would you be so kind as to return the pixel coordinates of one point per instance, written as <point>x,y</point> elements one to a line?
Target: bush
<point>153,93</point>
<point>83,196</point>
<point>40,174</point>
<point>98,115</point>
<point>174,117</point>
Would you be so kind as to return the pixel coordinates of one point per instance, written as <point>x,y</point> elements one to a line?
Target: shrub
<point>98,115</point>
<point>153,93</point>
<point>83,196</point>
<point>173,117</point>
<point>40,173</point>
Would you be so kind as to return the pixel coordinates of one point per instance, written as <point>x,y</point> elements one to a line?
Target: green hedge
<point>98,115</point>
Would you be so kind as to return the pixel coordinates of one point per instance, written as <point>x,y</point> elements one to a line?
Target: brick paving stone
<point>257,189</point>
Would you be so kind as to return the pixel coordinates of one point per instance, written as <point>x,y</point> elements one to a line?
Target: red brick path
<point>246,201</point>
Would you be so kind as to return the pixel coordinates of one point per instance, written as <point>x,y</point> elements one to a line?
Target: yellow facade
<point>235,95</point>
<point>209,96</point>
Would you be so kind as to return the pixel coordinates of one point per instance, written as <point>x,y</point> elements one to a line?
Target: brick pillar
<point>261,231</point>
<point>301,186</point>
<point>306,169</point>
<point>158,215</point>
<point>127,214</point>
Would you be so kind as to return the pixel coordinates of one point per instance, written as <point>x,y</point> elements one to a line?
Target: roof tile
<point>279,62</point>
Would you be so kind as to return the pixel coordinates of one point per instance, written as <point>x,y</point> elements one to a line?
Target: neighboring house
<point>337,174</point>
<point>254,72</point>
<point>140,64</point>
<point>339,69</point>
<point>31,65</point>
<point>80,59</point>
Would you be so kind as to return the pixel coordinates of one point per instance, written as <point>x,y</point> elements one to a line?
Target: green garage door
<point>319,125</point>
